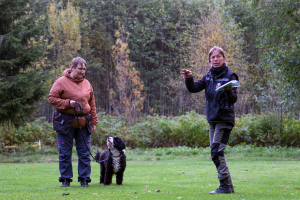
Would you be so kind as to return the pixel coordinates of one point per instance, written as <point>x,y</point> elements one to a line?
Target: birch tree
<point>127,98</point>
<point>65,32</point>
<point>216,29</point>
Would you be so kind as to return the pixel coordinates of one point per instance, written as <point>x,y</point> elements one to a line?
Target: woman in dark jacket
<point>219,109</point>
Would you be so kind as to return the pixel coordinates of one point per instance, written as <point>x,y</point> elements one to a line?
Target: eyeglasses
<point>216,57</point>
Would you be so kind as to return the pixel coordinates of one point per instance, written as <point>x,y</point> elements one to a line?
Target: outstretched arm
<point>189,81</point>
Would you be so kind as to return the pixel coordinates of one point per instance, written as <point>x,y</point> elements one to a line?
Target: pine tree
<point>22,80</point>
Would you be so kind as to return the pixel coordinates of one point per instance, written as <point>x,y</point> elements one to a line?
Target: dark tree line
<point>160,45</point>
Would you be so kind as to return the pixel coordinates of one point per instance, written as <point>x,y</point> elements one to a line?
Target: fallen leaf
<point>298,188</point>
<point>64,194</point>
<point>157,190</point>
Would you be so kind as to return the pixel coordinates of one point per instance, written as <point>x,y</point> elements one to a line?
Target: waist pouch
<point>62,122</point>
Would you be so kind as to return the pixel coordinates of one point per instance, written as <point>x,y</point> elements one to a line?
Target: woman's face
<point>216,59</point>
<point>78,72</point>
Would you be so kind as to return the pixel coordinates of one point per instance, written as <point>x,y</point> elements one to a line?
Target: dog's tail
<point>97,156</point>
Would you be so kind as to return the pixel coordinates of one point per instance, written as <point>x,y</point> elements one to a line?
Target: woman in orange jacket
<point>75,118</point>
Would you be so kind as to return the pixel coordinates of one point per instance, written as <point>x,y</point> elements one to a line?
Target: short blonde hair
<point>78,60</point>
<point>213,49</point>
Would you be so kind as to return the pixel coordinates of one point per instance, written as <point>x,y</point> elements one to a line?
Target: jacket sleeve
<point>195,86</point>
<point>93,111</point>
<point>54,97</point>
<point>231,95</point>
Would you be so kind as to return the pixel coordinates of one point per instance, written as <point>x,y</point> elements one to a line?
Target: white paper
<point>233,83</point>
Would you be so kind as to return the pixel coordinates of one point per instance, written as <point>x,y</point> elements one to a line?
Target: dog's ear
<point>119,143</point>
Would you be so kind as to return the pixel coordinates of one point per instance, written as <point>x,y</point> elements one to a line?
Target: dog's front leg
<point>108,176</point>
<point>119,178</point>
<point>102,173</point>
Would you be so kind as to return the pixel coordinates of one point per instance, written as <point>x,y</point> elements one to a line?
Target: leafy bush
<point>28,134</point>
<point>265,130</point>
<point>111,126</point>
<point>189,130</point>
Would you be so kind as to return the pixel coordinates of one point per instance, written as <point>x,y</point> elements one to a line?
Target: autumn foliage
<point>128,99</point>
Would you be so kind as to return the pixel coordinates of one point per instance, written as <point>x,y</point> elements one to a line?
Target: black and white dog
<point>112,161</point>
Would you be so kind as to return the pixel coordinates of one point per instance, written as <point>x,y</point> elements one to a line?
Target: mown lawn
<point>184,177</point>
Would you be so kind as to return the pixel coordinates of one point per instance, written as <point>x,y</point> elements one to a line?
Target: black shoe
<point>218,191</point>
<point>84,183</point>
<point>65,183</point>
<point>225,187</point>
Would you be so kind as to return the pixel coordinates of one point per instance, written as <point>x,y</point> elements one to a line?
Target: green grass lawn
<point>184,177</point>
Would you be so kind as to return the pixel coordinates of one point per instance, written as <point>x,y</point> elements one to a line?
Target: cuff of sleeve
<point>67,103</point>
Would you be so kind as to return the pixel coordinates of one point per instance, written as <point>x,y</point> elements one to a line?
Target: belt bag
<point>62,122</point>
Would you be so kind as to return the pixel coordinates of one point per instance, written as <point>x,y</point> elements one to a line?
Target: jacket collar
<point>217,72</point>
<point>67,74</point>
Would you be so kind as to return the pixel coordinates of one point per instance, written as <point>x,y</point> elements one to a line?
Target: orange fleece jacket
<point>67,88</point>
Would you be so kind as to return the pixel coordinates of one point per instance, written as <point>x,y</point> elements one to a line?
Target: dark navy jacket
<point>219,106</point>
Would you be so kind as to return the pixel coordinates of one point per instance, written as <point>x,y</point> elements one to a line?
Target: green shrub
<point>291,133</point>
<point>161,131</point>
<point>29,134</point>
<point>189,130</point>
<point>111,126</point>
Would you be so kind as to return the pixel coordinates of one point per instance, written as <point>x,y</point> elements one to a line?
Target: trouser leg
<point>84,160</point>
<point>219,137</point>
<point>65,145</point>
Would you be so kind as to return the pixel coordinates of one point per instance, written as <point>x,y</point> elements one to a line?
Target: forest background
<point>135,50</point>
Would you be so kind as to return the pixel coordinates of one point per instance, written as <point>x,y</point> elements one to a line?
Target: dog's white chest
<point>116,164</point>
<point>116,160</point>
